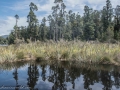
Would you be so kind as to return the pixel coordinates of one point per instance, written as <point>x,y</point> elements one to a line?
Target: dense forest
<point>101,25</point>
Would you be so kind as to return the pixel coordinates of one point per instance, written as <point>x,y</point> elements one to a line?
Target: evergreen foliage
<point>102,25</point>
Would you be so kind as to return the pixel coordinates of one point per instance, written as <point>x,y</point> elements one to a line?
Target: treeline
<point>102,25</point>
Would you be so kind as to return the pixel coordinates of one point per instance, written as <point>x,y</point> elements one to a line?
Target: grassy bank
<point>103,53</point>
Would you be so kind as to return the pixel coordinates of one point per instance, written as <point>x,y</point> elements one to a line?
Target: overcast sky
<point>9,8</point>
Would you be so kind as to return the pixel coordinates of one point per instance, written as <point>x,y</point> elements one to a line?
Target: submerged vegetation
<point>86,52</point>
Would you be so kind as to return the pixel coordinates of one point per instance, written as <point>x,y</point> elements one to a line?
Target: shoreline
<point>59,61</point>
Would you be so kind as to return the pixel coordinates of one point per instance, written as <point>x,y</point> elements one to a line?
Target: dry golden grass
<point>63,50</point>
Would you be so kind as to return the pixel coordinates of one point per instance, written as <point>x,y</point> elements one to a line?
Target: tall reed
<point>63,50</point>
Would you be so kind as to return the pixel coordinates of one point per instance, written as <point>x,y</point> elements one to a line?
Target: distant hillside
<point>4,36</point>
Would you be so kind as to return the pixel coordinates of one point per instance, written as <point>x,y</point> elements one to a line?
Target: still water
<point>58,76</point>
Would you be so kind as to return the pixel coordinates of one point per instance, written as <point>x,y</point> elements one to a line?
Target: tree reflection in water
<point>61,75</point>
<point>33,75</point>
<point>15,76</point>
<point>57,77</point>
<point>116,76</point>
<point>43,75</point>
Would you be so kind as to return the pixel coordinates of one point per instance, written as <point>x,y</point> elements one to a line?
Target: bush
<point>65,55</point>
<point>20,55</point>
<point>105,60</point>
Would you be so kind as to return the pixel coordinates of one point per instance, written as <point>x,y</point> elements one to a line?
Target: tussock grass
<point>63,50</point>
<point>20,55</point>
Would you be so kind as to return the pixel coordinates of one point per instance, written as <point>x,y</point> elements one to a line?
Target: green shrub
<point>65,55</point>
<point>105,60</point>
<point>20,55</point>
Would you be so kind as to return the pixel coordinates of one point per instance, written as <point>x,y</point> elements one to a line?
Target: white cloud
<point>46,7</point>
<point>7,25</point>
<point>78,5</point>
<point>22,5</point>
<point>71,4</point>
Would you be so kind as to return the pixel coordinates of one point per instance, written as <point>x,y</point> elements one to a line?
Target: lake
<point>55,75</point>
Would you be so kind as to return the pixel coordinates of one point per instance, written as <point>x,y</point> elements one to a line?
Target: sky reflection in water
<point>62,76</point>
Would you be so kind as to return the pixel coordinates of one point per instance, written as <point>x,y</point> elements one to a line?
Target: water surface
<point>58,76</point>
